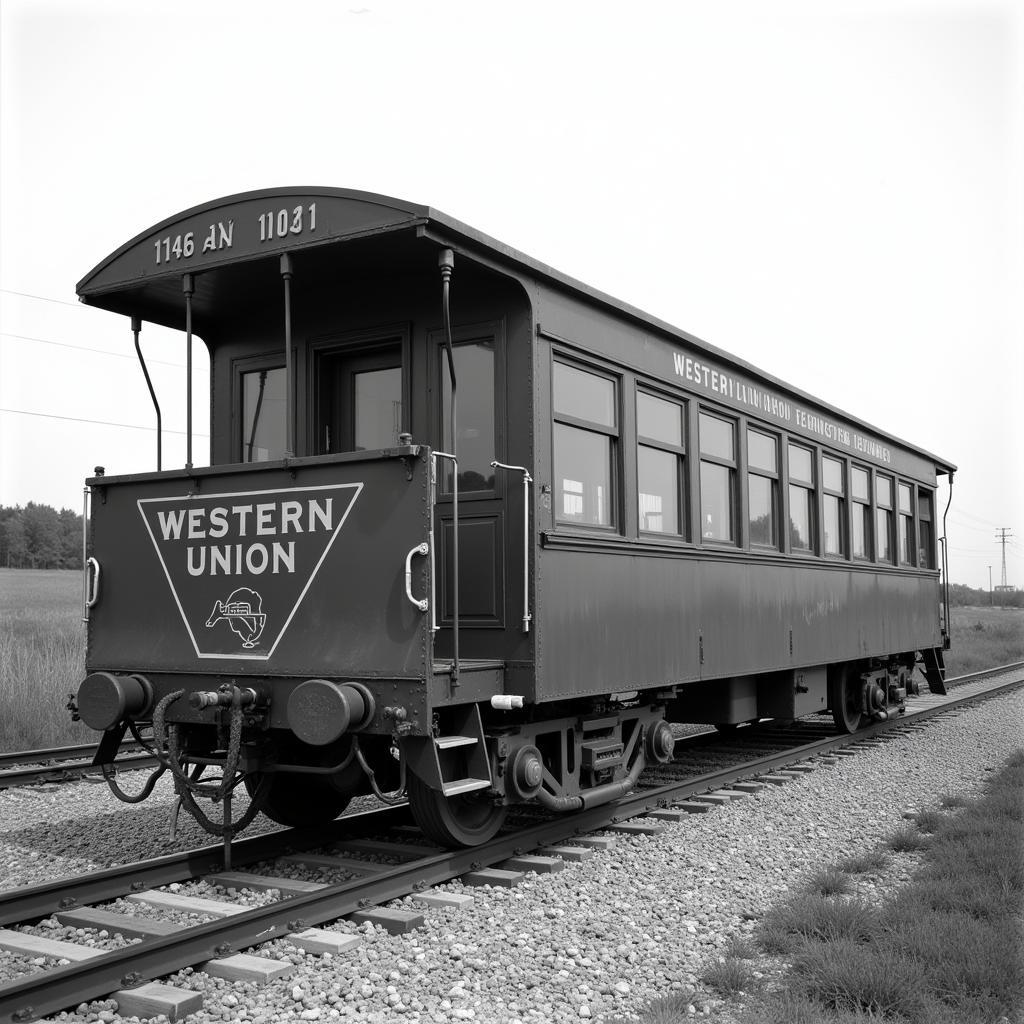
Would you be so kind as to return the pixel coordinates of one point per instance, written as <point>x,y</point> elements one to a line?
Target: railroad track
<point>62,764</point>
<point>376,857</point>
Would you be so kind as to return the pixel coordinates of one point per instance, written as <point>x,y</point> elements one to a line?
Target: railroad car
<point>473,533</point>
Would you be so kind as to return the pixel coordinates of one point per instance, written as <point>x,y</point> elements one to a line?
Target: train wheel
<point>844,699</point>
<point>468,819</point>
<point>298,800</point>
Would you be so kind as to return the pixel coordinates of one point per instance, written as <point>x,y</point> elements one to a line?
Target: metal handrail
<point>527,480</point>
<point>435,455</point>
<point>421,549</point>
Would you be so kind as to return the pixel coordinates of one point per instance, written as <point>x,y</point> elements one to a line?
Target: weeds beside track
<point>943,950</point>
<point>42,654</point>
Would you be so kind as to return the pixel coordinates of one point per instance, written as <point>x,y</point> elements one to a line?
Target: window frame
<point>613,433</point>
<point>240,368</point>
<point>733,471</point>
<point>889,511</point>
<point>840,496</point>
<point>353,344</point>
<point>775,488</point>
<point>466,337</point>
<point>905,519</point>
<point>437,370</point>
<point>682,531</point>
<point>811,498</point>
<point>926,514</point>
<point>868,517</point>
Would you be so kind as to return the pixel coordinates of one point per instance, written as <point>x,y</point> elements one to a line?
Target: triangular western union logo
<point>240,564</point>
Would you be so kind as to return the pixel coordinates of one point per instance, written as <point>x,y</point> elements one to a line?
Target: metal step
<point>445,742</point>
<point>464,786</point>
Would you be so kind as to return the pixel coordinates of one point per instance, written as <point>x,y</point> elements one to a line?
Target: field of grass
<point>42,656</point>
<point>42,653</point>
<point>985,637</point>
<point>944,950</point>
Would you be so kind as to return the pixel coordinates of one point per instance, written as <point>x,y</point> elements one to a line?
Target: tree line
<point>40,537</point>
<point>959,594</point>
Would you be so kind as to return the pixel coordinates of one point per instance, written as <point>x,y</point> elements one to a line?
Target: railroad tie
<point>153,999</point>
<point>394,922</point>
<point>635,828</point>
<point>494,876</point>
<point>440,898</point>
<point>540,865</point>
<point>36,945</point>
<point>263,883</point>
<point>245,967</point>
<point>322,940</point>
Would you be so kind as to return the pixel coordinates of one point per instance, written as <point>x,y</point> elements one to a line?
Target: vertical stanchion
<point>187,287</point>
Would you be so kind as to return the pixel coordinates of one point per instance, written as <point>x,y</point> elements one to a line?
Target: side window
<point>717,478</point>
<point>905,533</point>
<point>860,520</point>
<point>833,505</point>
<point>801,498</point>
<point>926,553</point>
<point>474,375</point>
<point>763,488</point>
<point>659,464</point>
<point>883,517</point>
<point>586,432</point>
<point>263,415</point>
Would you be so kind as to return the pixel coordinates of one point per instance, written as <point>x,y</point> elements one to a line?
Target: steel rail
<point>983,672</point>
<point>78,750</point>
<point>50,991</point>
<point>30,903</point>
<point>11,778</point>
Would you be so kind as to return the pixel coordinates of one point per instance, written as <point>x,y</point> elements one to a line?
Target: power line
<point>42,298</point>
<point>979,519</point>
<point>968,526</point>
<point>101,423</point>
<point>89,348</point>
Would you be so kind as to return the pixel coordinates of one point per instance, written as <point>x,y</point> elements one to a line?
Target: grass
<point>867,862</point>
<point>907,839</point>
<point>946,948</point>
<point>830,881</point>
<point>984,638</point>
<point>42,656</point>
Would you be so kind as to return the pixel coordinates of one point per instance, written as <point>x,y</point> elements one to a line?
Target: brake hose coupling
<point>223,697</point>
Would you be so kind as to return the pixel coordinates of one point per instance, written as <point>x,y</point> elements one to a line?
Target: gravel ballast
<point>597,940</point>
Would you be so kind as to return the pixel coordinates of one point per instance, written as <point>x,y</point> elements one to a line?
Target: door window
<point>474,381</point>
<point>359,399</point>
<point>263,415</point>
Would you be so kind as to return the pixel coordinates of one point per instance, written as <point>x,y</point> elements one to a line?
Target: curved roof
<point>146,273</point>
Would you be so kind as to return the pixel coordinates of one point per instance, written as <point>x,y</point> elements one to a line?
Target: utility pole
<point>1003,535</point>
<point>990,601</point>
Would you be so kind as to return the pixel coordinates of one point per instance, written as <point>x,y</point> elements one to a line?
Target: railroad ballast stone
<point>598,939</point>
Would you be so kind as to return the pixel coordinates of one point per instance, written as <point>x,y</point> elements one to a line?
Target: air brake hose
<point>109,776</point>
<point>398,795</point>
<point>109,773</point>
<point>186,788</point>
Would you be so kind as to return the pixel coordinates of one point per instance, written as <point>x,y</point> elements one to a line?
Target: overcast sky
<point>832,191</point>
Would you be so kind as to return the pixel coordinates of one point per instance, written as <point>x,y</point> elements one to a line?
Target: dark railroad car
<point>625,527</point>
